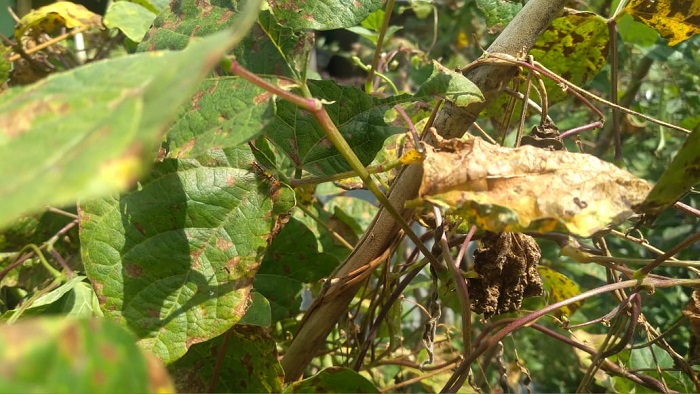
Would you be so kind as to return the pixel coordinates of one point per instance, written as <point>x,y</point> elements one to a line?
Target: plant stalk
<point>452,121</point>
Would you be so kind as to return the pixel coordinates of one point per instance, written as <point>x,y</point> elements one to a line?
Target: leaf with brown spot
<point>575,46</point>
<point>322,14</point>
<point>675,20</point>
<point>39,355</point>
<point>249,363</point>
<point>269,48</point>
<point>186,277</point>
<point>560,289</point>
<point>95,129</point>
<point>50,18</point>
<point>528,189</point>
<point>222,114</point>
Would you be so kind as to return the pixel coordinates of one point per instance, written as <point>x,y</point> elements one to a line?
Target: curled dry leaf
<point>507,266</point>
<point>527,189</point>
<point>692,313</point>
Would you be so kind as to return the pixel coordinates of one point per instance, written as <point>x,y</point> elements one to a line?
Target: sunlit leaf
<point>223,113</point>
<point>676,20</point>
<point>131,18</point>
<point>575,47</point>
<point>528,189</point>
<point>93,130</point>
<point>454,86</point>
<point>155,6</point>
<point>322,14</point>
<point>268,49</point>
<point>498,12</point>
<point>175,258</point>
<point>560,289</point>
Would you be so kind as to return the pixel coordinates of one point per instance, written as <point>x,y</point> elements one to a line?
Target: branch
<point>452,121</point>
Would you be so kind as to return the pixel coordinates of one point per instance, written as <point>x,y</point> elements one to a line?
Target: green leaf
<point>633,32</point>
<point>292,260</point>
<point>82,302</point>
<point>175,258</point>
<point>575,47</point>
<point>75,356</point>
<point>248,364</point>
<point>177,24</point>
<point>451,85</point>
<point>358,116</point>
<point>259,313</point>
<point>132,19</point>
<point>322,14</point>
<point>224,113</point>
<point>682,174</point>
<point>268,49</point>
<point>333,380</point>
<point>92,130</point>
<point>47,301</point>
<point>498,12</point>
<point>327,243</point>
<point>155,6</point>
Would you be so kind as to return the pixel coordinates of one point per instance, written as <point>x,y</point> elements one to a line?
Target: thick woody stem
<point>517,38</point>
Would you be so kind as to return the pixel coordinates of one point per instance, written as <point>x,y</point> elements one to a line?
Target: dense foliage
<point>190,193</point>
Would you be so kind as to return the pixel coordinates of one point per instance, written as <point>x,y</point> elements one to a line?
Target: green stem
<point>343,175</point>
<point>54,272</point>
<point>380,41</point>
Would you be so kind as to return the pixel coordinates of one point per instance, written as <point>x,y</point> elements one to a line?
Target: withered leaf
<point>527,189</point>
<point>507,267</point>
<point>692,312</point>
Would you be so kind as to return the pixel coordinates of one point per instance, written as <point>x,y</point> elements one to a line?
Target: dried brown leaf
<point>692,313</point>
<point>527,189</point>
<point>507,267</point>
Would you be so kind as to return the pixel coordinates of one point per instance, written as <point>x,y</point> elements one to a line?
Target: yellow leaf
<point>51,17</point>
<point>560,288</point>
<point>676,20</point>
<point>527,189</point>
